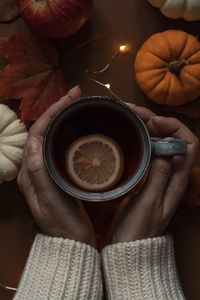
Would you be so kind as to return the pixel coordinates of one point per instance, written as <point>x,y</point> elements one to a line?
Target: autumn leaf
<point>32,74</point>
<point>8,10</point>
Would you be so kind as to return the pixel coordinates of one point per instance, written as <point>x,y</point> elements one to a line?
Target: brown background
<point>112,23</point>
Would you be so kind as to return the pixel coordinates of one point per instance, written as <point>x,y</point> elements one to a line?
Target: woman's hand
<point>56,213</point>
<point>148,213</point>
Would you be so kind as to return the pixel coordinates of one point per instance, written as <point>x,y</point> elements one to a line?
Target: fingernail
<point>73,91</point>
<point>130,104</point>
<point>33,146</point>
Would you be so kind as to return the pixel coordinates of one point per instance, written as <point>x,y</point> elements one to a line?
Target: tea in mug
<point>116,138</point>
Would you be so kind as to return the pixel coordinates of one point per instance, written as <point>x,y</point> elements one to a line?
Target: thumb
<point>172,127</point>
<point>35,166</point>
<point>166,125</point>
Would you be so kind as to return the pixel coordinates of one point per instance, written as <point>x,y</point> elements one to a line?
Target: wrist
<point>125,237</point>
<point>142,269</point>
<point>82,235</point>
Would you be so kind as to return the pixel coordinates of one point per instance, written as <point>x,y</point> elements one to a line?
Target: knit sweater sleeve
<point>60,269</point>
<point>141,270</point>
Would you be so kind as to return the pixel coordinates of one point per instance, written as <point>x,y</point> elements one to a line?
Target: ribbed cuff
<point>59,269</point>
<point>143,269</point>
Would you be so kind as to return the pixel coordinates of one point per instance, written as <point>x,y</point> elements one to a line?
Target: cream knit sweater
<point>64,269</point>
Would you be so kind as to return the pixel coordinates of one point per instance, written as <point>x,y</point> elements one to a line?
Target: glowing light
<point>93,75</point>
<point>108,86</point>
<point>123,49</point>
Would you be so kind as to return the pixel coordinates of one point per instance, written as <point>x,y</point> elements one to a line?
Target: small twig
<point>8,288</point>
<point>8,98</point>
<point>69,54</point>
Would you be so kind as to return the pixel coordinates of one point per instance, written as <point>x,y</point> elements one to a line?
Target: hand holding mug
<point>148,213</point>
<point>56,213</point>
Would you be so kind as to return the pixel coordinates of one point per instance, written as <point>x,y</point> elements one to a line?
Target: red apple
<point>55,18</point>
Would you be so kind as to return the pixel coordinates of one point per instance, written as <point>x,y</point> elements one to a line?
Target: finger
<point>26,187</point>
<point>174,194</point>
<point>36,169</point>
<point>177,186</point>
<point>19,181</point>
<point>144,113</point>
<point>172,127</point>
<point>40,126</point>
<point>19,177</point>
<point>182,165</point>
<point>154,188</point>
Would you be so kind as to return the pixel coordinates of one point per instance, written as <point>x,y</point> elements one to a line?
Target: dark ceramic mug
<point>115,119</point>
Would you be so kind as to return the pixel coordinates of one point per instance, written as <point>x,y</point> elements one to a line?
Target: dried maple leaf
<point>32,74</point>
<point>8,10</point>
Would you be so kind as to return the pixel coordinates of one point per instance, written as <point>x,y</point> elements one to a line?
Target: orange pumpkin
<point>167,68</point>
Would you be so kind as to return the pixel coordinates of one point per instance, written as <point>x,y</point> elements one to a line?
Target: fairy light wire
<point>104,69</point>
<point>8,288</point>
<point>107,85</point>
<point>122,50</point>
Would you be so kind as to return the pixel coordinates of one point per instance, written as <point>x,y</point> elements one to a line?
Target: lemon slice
<point>94,162</point>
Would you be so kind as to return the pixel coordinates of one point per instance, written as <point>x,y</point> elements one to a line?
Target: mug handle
<point>168,147</point>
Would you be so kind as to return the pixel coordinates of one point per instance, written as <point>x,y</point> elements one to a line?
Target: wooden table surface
<point>112,23</point>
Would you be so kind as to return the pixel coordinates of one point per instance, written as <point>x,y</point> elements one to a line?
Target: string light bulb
<point>123,48</point>
<point>107,85</point>
<point>92,74</point>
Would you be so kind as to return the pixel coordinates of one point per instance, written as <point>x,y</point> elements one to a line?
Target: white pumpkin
<point>186,9</point>
<point>13,135</point>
